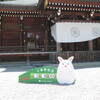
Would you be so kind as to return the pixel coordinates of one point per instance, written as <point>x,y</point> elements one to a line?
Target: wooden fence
<point>80,56</point>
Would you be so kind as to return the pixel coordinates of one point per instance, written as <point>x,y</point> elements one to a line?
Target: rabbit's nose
<point>65,65</point>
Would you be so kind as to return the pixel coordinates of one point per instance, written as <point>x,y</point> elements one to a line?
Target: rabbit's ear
<point>60,59</point>
<point>71,58</point>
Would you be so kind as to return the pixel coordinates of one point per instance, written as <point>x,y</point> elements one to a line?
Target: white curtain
<point>68,32</point>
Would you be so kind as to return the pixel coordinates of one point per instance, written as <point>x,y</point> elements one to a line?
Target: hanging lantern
<point>92,14</point>
<point>21,17</point>
<point>59,12</point>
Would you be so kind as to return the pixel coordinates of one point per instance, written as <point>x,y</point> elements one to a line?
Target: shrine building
<point>49,29</point>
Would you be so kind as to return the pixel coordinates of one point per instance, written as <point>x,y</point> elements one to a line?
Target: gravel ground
<point>87,86</point>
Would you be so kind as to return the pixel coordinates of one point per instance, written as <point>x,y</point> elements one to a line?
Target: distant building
<point>27,30</point>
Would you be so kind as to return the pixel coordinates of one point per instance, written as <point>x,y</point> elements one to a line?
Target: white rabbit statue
<point>65,71</point>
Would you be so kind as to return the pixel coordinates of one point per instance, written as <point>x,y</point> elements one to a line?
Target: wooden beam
<point>45,3</point>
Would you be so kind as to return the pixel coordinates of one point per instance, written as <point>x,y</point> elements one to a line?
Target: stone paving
<point>87,86</point>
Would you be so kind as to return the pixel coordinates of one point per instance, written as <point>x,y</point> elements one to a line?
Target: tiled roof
<point>90,0</point>
<point>74,0</point>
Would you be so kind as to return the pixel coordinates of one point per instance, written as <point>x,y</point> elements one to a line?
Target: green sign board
<point>44,74</point>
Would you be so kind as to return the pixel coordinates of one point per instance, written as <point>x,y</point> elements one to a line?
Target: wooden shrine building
<point>25,31</point>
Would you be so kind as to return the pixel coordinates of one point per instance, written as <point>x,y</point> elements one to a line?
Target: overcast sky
<point>20,2</point>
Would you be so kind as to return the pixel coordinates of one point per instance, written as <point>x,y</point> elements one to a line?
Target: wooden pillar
<point>90,45</point>
<point>46,40</point>
<point>46,28</point>
<point>28,60</point>
<point>21,28</point>
<point>0,31</point>
<point>58,47</point>
<point>98,42</point>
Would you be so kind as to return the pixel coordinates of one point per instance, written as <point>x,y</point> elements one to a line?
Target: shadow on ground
<point>23,66</point>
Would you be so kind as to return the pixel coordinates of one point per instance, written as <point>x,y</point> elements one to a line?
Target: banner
<point>68,32</point>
